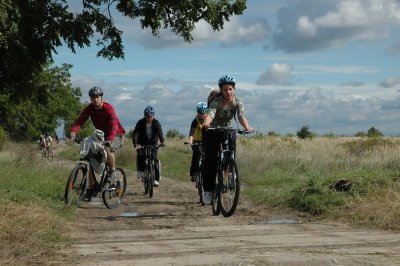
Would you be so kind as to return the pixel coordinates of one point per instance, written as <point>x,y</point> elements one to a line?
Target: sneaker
<point>139,174</point>
<point>207,197</point>
<point>111,177</point>
<point>156,183</point>
<point>88,195</point>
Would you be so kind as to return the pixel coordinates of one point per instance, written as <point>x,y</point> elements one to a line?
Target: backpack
<point>213,94</point>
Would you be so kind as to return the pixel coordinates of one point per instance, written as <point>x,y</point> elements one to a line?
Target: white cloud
<point>277,74</point>
<point>309,25</point>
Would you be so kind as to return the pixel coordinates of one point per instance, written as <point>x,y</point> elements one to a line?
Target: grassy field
<point>355,180</point>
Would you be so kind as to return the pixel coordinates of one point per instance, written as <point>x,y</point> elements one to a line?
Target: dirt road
<point>173,229</point>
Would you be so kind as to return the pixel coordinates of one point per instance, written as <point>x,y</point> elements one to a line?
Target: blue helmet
<point>226,80</point>
<point>201,107</point>
<point>95,91</point>
<point>46,134</point>
<point>149,111</point>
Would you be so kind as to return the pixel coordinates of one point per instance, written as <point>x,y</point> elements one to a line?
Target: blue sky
<point>333,65</point>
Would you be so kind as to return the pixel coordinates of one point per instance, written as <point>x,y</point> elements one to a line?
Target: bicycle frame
<point>112,192</point>
<point>227,178</point>
<point>150,167</point>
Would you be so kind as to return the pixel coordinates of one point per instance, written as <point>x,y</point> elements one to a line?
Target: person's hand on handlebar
<point>138,147</point>
<point>249,129</point>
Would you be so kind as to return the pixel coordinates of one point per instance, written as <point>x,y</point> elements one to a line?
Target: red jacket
<point>104,119</point>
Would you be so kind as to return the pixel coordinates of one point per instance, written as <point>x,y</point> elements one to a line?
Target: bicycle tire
<point>216,203</point>
<point>230,190</point>
<point>50,156</point>
<point>200,189</point>
<point>152,173</point>
<point>113,194</point>
<point>76,185</point>
<point>145,180</point>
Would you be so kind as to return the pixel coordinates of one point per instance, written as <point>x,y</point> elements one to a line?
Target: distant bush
<point>304,133</point>
<point>374,132</point>
<point>174,133</point>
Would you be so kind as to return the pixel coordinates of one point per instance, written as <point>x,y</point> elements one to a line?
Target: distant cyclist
<point>46,141</point>
<point>103,117</point>
<point>147,132</point>
<point>220,113</point>
<point>195,135</point>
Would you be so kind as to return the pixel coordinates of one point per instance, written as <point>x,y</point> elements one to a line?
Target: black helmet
<point>95,91</point>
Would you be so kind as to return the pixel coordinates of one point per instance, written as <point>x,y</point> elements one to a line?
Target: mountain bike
<point>227,183</point>
<point>75,189</point>
<point>199,174</point>
<point>47,153</point>
<point>150,168</point>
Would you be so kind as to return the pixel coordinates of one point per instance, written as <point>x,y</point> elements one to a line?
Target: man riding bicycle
<point>220,113</point>
<point>147,132</point>
<point>46,141</point>
<point>103,117</point>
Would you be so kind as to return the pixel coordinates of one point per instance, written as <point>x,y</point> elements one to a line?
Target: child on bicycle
<point>147,132</point>
<point>220,113</point>
<point>195,135</point>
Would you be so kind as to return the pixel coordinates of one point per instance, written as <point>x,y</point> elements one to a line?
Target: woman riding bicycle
<point>221,110</point>
<point>147,132</point>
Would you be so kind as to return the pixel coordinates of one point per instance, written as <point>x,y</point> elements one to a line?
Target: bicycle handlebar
<point>152,146</point>
<point>238,130</point>
<point>193,143</point>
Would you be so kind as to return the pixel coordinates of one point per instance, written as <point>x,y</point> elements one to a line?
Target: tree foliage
<point>304,133</point>
<point>31,30</point>
<point>52,100</point>
<point>374,132</point>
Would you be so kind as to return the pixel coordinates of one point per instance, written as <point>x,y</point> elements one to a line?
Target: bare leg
<point>111,160</point>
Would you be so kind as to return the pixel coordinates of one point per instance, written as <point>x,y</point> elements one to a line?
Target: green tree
<point>304,133</point>
<point>52,99</point>
<point>374,132</point>
<point>31,30</point>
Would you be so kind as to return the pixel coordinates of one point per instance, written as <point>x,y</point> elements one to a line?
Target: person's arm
<point>245,124</point>
<point>112,123</point>
<point>160,133</point>
<point>193,126</point>
<point>135,134</point>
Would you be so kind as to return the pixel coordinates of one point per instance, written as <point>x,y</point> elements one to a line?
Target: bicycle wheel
<point>76,185</point>
<point>199,185</point>
<point>152,173</point>
<point>216,203</point>
<point>113,194</point>
<point>50,156</point>
<point>146,180</point>
<point>230,190</point>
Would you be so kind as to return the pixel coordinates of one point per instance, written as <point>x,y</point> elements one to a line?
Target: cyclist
<point>220,113</point>
<point>103,117</point>
<point>147,132</point>
<point>46,141</point>
<point>195,135</point>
